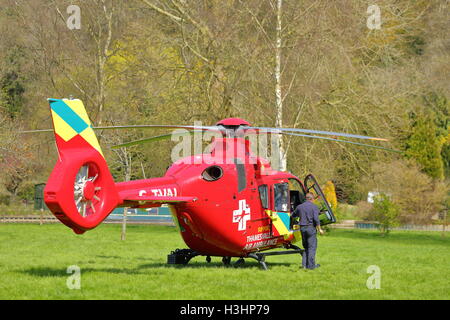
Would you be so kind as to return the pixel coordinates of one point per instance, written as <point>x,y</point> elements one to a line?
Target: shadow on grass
<point>204,265</point>
<point>405,237</point>
<point>58,272</point>
<point>108,257</point>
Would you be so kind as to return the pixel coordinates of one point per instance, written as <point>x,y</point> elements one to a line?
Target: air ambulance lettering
<point>259,236</point>
<point>260,244</point>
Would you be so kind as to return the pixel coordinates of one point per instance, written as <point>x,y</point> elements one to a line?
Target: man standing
<point>308,213</point>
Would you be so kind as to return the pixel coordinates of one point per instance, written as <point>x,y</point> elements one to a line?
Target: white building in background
<point>371,195</point>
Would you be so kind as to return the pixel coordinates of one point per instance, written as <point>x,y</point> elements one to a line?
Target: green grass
<point>34,260</point>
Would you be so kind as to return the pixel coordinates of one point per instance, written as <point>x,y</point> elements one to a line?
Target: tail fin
<point>80,190</point>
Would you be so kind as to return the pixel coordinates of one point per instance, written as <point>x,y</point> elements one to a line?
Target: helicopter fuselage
<point>234,208</point>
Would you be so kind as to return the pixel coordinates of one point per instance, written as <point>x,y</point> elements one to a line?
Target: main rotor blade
<point>152,139</point>
<point>339,140</point>
<point>36,131</point>
<point>158,126</point>
<point>142,126</point>
<point>167,136</point>
<point>329,133</point>
<point>218,129</point>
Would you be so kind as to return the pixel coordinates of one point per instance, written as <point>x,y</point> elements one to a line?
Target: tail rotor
<point>87,191</point>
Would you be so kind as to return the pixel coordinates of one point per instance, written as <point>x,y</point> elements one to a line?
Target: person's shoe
<point>315,267</point>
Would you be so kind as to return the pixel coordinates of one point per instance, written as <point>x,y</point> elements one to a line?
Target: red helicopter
<point>226,203</point>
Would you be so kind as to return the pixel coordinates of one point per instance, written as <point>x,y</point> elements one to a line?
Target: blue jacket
<point>308,213</point>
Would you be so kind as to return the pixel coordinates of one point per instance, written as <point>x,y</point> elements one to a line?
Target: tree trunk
<point>278,96</point>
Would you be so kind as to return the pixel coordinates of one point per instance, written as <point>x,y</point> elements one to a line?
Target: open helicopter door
<point>326,215</point>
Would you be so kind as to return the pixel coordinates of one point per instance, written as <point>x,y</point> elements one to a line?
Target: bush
<point>330,194</point>
<point>5,199</point>
<point>26,191</point>
<point>385,212</point>
<point>425,148</point>
<point>364,210</point>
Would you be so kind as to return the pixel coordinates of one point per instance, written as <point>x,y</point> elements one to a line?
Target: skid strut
<point>261,256</point>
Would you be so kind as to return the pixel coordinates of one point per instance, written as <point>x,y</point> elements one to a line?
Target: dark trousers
<point>309,241</point>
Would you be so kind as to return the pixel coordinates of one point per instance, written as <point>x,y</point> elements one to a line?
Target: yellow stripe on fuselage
<point>278,224</point>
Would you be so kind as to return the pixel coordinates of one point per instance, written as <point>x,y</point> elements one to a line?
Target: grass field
<point>34,261</point>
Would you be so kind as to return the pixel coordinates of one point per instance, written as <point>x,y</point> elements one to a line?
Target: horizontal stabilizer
<point>159,199</point>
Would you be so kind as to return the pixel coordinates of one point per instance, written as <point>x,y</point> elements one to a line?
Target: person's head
<point>309,196</point>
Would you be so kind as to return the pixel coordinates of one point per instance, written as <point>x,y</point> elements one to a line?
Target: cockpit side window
<point>264,196</point>
<point>242,180</point>
<point>281,197</point>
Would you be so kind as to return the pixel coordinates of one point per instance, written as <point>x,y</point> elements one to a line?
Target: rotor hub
<point>232,122</point>
<point>88,190</point>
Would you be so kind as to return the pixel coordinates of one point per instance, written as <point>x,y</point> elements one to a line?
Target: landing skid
<point>183,256</point>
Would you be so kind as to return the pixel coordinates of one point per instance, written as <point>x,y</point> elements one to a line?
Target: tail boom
<point>80,191</point>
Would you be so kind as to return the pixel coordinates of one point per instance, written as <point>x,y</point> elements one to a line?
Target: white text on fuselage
<point>259,236</point>
<point>259,240</point>
<point>163,192</point>
<point>260,244</point>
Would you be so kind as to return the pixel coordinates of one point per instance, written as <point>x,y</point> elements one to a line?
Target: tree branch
<point>168,14</point>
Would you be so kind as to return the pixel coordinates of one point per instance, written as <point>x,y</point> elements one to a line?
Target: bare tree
<point>279,100</point>
<point>204,43</point>
<point>98,19</point>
